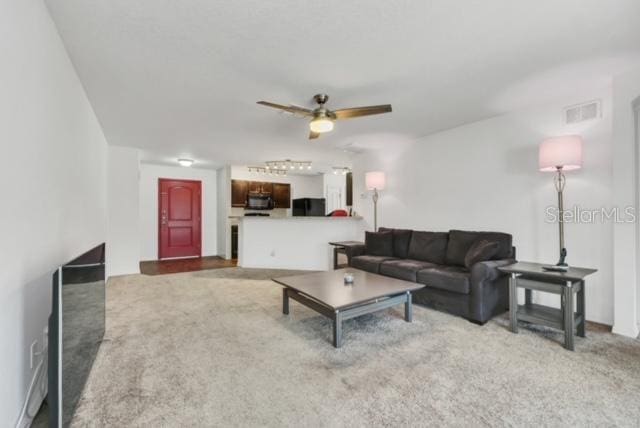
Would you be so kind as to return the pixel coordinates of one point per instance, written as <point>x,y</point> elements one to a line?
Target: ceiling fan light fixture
<point>321,125</point>
<point>322,118</point>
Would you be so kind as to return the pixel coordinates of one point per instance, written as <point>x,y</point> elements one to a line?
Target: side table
<point>340,247</point>
<point>532,276</point>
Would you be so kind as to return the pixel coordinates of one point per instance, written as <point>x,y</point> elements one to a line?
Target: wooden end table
<point>532,276</point>
<point>340,247</point>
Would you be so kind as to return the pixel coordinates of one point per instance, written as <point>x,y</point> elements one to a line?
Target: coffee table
<point>327,294</point>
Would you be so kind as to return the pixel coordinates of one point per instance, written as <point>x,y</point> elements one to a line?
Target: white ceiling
<point>181,78</point>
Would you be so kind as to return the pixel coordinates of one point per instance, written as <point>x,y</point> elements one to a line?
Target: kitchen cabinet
<point>281,195</point>
<point>280,192</point>
<point>239,190</point>
<point>260,187</point>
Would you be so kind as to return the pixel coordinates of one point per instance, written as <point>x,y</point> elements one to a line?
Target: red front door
<point>179,211</point>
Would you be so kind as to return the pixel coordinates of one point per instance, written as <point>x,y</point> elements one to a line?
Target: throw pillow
<point>401,238</point>
<point>378,243</point>
<point>480,251</point>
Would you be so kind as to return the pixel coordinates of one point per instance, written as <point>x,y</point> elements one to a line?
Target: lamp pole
<point>375,181</point>
<point>559,182</point>
<point>375,210</point>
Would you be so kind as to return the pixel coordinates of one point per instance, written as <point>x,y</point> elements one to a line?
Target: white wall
<point>123,217</point>
<point>306,186</point>
<point>293,243</point>
<point>484,176</point>
<point>223,182</point>
<point>626,89</point>
<point>149,175</point>
<point>54,185</point>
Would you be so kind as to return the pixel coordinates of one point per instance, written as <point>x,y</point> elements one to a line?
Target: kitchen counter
<point>241,217</point>
<point>300,243</point>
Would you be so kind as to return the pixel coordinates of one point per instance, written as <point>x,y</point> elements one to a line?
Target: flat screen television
<point>76,329</point>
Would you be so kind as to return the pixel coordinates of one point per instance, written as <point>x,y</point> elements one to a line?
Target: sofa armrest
<point>489,289</point>
<point>354,251</point>
<point>488,271</point>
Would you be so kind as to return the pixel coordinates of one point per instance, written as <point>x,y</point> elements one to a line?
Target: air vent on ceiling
<point>581,112</point>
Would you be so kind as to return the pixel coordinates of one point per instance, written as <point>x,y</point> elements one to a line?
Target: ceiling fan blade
<point>348,113</point>
<point>290,109</point>
<point>313,135</point>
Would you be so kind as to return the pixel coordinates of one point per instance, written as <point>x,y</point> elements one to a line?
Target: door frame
<point>159,223</point>
<point>636,170</point>
<point>328,190</point>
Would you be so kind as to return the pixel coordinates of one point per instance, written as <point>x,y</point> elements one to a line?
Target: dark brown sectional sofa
<point>437,260</point>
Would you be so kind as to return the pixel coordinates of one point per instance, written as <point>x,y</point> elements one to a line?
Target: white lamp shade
<point>375,180</point>
<point>564,151</point>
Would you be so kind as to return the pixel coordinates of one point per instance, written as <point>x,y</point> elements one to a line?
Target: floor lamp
<point>375,181</point>
<point>560,154</point>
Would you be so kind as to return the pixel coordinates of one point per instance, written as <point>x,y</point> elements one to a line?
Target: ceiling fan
<point>323,118</point>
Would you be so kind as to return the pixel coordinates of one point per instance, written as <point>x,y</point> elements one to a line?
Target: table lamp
<point>375,181</point>
<point>560,154</point>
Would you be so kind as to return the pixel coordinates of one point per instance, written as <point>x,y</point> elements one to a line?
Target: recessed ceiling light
<point>185,162</point>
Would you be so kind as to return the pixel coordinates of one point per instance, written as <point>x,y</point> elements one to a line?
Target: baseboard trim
<point>592,325</point>
<point>628,331</point>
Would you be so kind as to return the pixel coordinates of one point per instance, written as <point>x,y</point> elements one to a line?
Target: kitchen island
<point>293,242</point>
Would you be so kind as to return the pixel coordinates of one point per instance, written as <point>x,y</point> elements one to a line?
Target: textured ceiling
<point>182,77</point>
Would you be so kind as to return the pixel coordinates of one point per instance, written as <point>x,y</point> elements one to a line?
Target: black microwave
<point>259,201</point>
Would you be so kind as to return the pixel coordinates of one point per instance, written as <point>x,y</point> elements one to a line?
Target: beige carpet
<point>211,348</point>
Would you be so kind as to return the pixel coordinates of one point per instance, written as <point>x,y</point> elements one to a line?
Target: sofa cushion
<point>460,241</point>
<point>428,246</point>
<point>449,278</point>
<point>480,251</point>
<point>379,243</point>
<point>401,239</point>
<point>369,263</point>
<point>403,269</point>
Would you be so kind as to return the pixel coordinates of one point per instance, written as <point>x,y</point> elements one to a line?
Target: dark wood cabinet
<point>349,184</point>
<point>280,192</point>
<point>281,195</point>
<point>234,241</point>
<point>239,190</point>
<point>260,187</point>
